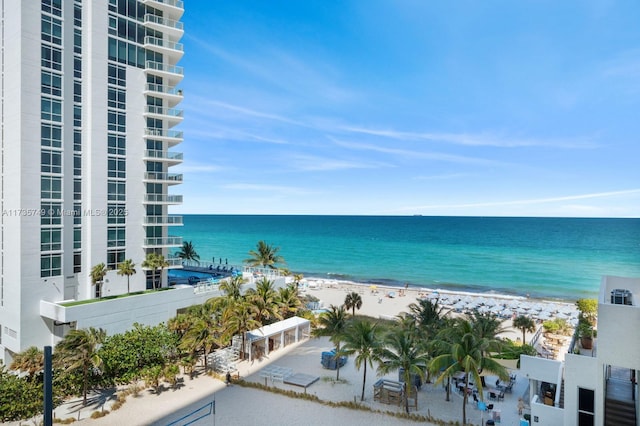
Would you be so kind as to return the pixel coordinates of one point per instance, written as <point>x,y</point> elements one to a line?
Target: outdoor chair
<point>493,396</point>
<point>501,396</point>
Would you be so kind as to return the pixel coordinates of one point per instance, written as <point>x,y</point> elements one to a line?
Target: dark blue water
<point>561,258</point>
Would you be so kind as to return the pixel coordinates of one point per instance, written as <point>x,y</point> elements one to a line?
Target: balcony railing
<point>163,220</point>
<point>171,73</point>
<point>162,176</point>
<point>167,90</point>
<point>155,21</point>
<point>163,242</point>
<point>151,42</point>
<point>169,112</point>
<point>162,199</point>
<point>163,133</point>
<point>174,7</point>
<point>174,157</point>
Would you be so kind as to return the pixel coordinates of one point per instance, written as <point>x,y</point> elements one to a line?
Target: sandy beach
<point>237,405</point>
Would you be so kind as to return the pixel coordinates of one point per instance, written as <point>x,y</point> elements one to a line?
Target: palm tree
<point>265,298</point>
<point>487,326</point>
<point>232,288</point>
<point>79,350</point>
<point>361,338</point>
<point>238,318</point>
<point>333,324</point>
<point>525,324</point>
<point>403,350</point>
<point>204,332</point>
<point>288,301</point>
<point>429,315</point>
<point>353,301</point>
<point>266,256</point>
<point>127,268</point>
<point>188,252</point>
<point>464,350</point>
<point>30,360</point>
<point>297,278</point>
<point>97,275</point>
<point>155,262</point>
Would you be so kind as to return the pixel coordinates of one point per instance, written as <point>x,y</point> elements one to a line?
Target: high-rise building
<point>89,96</point>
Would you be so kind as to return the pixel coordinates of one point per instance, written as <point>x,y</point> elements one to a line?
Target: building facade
<point>598,386</point>
<point>90,90</point>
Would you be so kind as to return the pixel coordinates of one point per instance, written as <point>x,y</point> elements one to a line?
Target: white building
<point>598,386</point>
<point>89,95</point>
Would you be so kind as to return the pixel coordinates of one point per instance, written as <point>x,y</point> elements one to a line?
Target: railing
<point>536,336</point>
<point>174,261</point>
<point>165,22</point>
<point>163,220</point>
<point>154,131</point>
<point>166,155</point>
<point>179,4</point>
<point>155,41</point>
<point>172,177</point>
<point>163,198</point>
<point>160,88</point>
<point>159,110</point>
<point>163,241</point>
<point>161,67</point>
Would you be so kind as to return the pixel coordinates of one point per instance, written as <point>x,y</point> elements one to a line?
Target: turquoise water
<point>559,258</point>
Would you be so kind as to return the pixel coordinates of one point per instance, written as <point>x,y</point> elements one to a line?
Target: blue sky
<point>401,107</point>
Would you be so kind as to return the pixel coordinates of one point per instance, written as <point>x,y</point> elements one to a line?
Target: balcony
<point>170,157</point>
<point>172,137</point>
<point>170,49</point>
<point>162,177</point>
<point>172,95</point>
<point>160,242</point>
<point>163,220</point>
<point>173,116</point>
<point>173,74</point>
<point>171,8</point>
<point>174,263</point>
<point>169,27</point>
<point>162,199</point>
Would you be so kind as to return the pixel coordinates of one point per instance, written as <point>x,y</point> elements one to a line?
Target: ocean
<point>550,258</point>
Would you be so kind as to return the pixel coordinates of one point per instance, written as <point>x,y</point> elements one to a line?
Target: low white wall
<point>541,369</point>
<point>119,315</point>
<point>545,414</point>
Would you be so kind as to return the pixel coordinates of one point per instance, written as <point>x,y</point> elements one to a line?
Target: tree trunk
<point>364,379</point>
<point>448,388</point>
<point>464,399</point>
<point>337,362</point>
<point>524,336</point>
<point>84,385</point>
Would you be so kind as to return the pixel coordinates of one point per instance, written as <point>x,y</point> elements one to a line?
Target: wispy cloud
<point>208,102</point>
<point>529,201</point>
<point>435,156</point>
<point>316,163</point>
<point>482,139</point>
<point>263,188</point>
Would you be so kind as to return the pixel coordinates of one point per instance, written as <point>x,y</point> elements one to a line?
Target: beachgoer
<point>228,378</point>
<point>520,406</point>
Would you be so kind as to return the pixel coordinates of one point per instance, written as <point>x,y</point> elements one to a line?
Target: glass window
<point>51,57</point>
<point>114,258</point>
<point>116,214</point>
<point>51,135</point>
<point>50,239</point>
<point>50,265</point>
<point>115,237</point>
<point>51,83</point>
<point>51,161</point>
<point>53,7</point>
<point>116,167</point>
<point>115,191</point>
<point>50,109</point>
<point>77,262</point>
<point>51,213</point>
<point>51,29</point>
<point>77,238</point>
<point>51,187</point>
